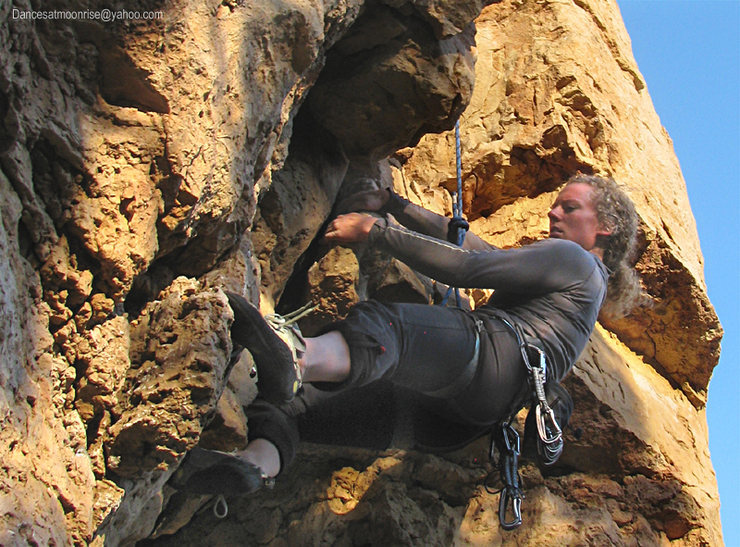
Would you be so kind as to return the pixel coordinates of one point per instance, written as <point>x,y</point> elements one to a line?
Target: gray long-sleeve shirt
<point>552,288</point>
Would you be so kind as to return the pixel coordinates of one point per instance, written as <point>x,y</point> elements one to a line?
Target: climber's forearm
<point>426,222</point>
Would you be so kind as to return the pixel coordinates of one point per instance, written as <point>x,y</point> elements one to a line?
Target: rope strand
<point>457,210</point>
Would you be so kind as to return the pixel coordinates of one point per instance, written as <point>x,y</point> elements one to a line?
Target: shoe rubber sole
<point>277,380</point>
<point>211,472</point>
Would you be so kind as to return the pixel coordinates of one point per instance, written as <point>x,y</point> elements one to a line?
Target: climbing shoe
<point>211,472</point>
<point>276,345</point>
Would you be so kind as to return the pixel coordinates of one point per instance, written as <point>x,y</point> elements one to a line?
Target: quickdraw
<point>507,441</point>
<point>509,447</point>
<point>550,444</point>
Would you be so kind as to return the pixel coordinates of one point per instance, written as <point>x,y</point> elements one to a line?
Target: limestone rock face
<point>180,347</point>
<point>386,54</point>
<point>148,165</point>
<point>134,153</point>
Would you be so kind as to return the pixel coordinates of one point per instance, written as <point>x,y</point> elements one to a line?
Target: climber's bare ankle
<point>264,454</point>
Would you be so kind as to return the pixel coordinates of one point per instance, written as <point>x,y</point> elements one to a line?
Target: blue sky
<point>689,53</point>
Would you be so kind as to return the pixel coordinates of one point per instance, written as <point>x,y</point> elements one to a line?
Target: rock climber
<point>461,370</point>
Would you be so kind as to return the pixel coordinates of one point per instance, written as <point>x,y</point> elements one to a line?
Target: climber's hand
<point>349,228</point>
<point>369,200</point>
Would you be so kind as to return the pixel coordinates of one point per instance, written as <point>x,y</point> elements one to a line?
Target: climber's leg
<point>362,418</point>
<point>425,348</point>
<point>273,440</point>
<point>275,347</point>
<point>327,358</point>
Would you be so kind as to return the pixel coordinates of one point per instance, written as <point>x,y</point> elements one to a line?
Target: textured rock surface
<point>146,165</point>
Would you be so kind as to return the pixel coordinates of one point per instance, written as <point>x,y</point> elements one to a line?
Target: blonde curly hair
<point>615,212</point>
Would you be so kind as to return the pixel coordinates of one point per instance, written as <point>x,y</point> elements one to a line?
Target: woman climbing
<point>463,371</point>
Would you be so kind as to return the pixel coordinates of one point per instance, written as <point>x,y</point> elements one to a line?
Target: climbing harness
<point>457,226</point>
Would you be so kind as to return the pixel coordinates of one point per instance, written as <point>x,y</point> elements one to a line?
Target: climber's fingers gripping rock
<point>350,228</point>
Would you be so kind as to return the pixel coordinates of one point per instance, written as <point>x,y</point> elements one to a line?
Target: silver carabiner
<point>220,507</point>
<point>549,432</point>
<point>516,509</point>
<point>551,436</point>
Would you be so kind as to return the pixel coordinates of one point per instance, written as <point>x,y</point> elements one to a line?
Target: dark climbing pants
<point>404,387</point>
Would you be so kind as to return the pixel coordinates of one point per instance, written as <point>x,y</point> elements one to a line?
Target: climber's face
<point>573,217</point>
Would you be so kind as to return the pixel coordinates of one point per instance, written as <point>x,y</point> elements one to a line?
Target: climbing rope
<point>458,226</point>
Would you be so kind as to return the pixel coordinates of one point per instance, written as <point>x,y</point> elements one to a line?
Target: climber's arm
<point>409,215</point>
<point>550,265</point>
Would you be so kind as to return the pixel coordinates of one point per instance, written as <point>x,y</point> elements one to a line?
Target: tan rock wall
<point>133,154</point>
<point>146,165</point>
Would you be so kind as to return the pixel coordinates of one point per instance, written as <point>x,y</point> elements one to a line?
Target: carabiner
<point>516,508</point>
<point>549,432</point>
<point>551,436</point>
<point>220,507</point>
<point>511,439</point>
